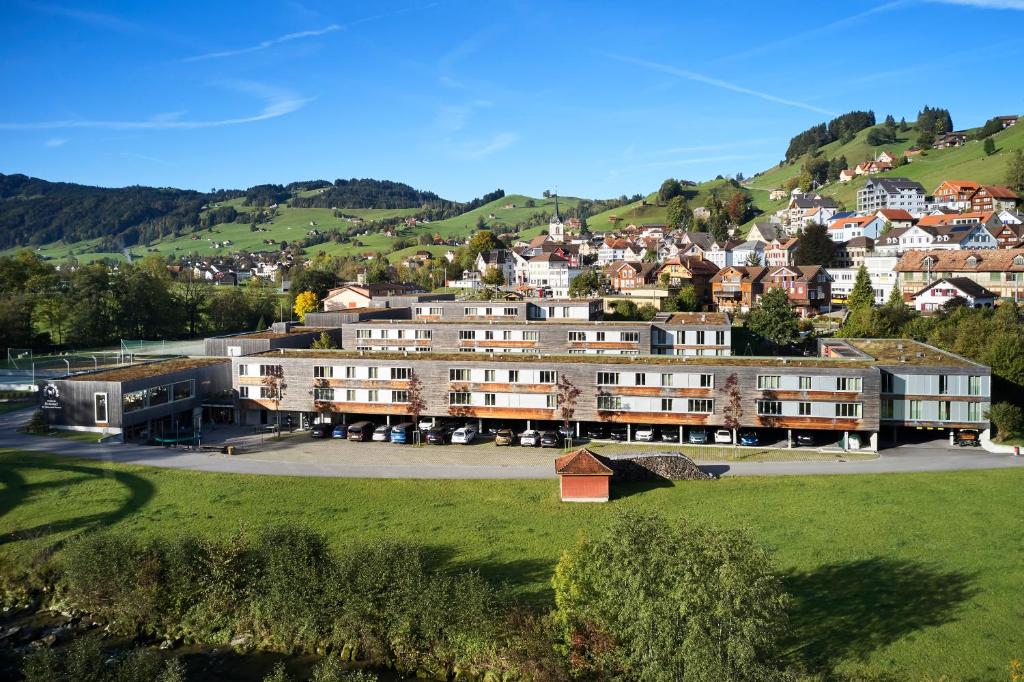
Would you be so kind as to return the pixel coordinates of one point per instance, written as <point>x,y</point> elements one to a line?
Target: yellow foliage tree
<point>305,302</point>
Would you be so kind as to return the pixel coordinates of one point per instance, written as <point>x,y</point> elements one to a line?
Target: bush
<point>37,423</point>
<point>86,661</point>
<point>1008,420</point>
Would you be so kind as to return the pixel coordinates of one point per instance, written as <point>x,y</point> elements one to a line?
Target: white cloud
<point>55,142</point>
<point>478,149</point>
<point>277,103</point>
<point>985,4</point>
<point>286,38</point>
<point>718,83</point>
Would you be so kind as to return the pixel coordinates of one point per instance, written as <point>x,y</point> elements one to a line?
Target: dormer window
<point>1018,260</point>
<point>972,261</point>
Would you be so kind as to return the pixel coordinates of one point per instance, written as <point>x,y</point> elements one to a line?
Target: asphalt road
<point>304,457</point>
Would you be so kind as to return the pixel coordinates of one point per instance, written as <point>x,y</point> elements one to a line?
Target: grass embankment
<point>910,574</point>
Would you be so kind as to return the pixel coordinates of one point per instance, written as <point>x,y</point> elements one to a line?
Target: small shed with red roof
<point>582,477</point>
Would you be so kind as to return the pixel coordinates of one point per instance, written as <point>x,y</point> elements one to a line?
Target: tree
<point>323,342</point>
<point>193,294</point>
<point>648,600</point>
<point>273,382</point>
<point>566,395</point>
<point>895,299</point>
<point>586,283</point>
<point>1007,418</point>
<point>732,412</point>
<point>669,189</point>
<point>1015,171</point>
<point>686,301</point>
<point>989,146</point>
<point>814,247</point>
<point>414,393</point>
<point>738,207</point>
<point>863,294</point>
<point>678,213</point>
<point>773,319</point>
<point>313,279</point>
<point>305,302</point>
<point>646,312</point>
<point>493,277</point>
<point>753,260</point>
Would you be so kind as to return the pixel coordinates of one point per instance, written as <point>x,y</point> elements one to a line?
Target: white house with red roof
<point>844,229</point>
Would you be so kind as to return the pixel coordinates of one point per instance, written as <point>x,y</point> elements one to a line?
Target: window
<point>700,405</point>
<point>609,402</point>
<point>489,312</point>
<point>243,370</point>
<point>719,338</point>
<point>323,371</point>
<point>158,395</point>
<point>182,390</point>
<point>944,410</point>
<point>399,396</point>
<point>943,384</point>
<point>577,336</point>
<point>323,394</point>
<point>973,412</point>
<point>243,391</point>
<point>548,377</point>
<point>706,380</point>
<point>423,334</point>
<point>401,373</point>
<point>700,338</point>
<point>851,384</point>
<point>513,376</point>
<point>552,401</point>
<point>510,312</point>
<point>599,336</point>
<point>804,409</point>
<point>373,396</point>
<point>490,376</point>
<point>666,379</point>
<point>607,378</point>
<point>350,372</point>
<point>531,336</point>
<point>887,409</point>
<point>458,375</point>
<point>769,407</point>
<point>630,337</point>
<point>267,393</point>
<point>640,379</point>
<point>915,409</point>
<point>270,370</point>
<point>488,335</point>
<point>973,385</point>
<point>886,382</point>
<point>372,372</point>
<point>666,404</point>
<point>805,383</point>
<point>848,410</point>
<point>768,382</point>
<point>470,312</point>
<point>399,333</point>
<point>364,333</point>
<point>467,334</point>
<point>350,395</point>
<point>436,312</point>
<point>99,403</point>
<point>506,335</point>
<point>460,398</point>
<point>490,399</point>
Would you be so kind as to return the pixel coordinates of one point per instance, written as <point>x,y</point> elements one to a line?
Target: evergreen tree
<point>774,319</point>
<point>989,146</point>
<point>863,294</point>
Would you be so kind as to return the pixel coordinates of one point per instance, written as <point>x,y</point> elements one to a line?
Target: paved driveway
<point>303,456</point>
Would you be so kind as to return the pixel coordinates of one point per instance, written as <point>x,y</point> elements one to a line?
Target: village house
<point>957,138</point>
<point>807,286</point>
<point>551,271</point>
<point>780,251</point>
<point>720,253</point>
<point>939,293</point>
<point>994,198</point>
<point>626,276</point>
<point>891,193</point>
<point>682,272</point>
<point>954,194</point>
<point>777,195</point>
<point>880,272</point>
<point>895,217</point>
<point>847,174</point>
<point>999,270</point>
<point>1007,235</point>
<point>736,288</point>
<point>762,232</point>
<point>614,249</point>
<point>501,259</point>
<point>845,229</point>
<point>850,254</point>
<point>748,253</point>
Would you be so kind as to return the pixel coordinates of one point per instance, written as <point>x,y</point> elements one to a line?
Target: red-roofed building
<point>896,217</point>
<point>994,198</point>
<point>955,194</point>
<point>582,477</point>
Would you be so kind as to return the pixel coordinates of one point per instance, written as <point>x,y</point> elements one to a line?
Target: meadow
<point>909,575</point>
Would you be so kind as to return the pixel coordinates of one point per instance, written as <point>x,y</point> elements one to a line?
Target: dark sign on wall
<point>51,398</point>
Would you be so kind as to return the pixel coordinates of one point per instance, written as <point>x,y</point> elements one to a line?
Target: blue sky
<point>461,97</point>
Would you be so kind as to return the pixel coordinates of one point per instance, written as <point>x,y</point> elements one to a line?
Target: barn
<point>582,477</point>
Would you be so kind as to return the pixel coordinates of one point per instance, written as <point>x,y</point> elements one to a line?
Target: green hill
<point>647,211</point>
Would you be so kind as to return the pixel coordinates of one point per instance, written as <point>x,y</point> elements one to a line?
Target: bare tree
<point>732,413</point>
<point>415,392</point>
<point>567,393</point>
<point>273,381</point>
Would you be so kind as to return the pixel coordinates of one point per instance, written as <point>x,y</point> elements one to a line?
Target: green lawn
<point>910,574</point>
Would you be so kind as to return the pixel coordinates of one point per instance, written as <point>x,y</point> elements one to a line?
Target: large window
<point>243,370</point>
<point>886,382</point>
<point>639,379</point>
<point>373,396</point>
<point>270,370</point>
<point>666,404</point>
<point>326,394</point>
<point>771,408</point>
<point>915,409</point>
<point>364,333</point>
<point>467,334</point>
<point>350,395</point>
<point>423,334</point>
<point>848,410</point>
<point>490,376</point>
<point>458,375</point>
<point>766,383</point>
<point>888,409</point>
<point>700,405</point>
<point>804,409</point>
<point>973,385</point>
<point>666,380</point>
<point>607,378</point>
<point>609,402</point>
<point>158,395</point>
<point>323,371</point>
<point>552,401</point>
<point>459,398</point>
<point>399,396</point>
<point>630,337</point>
<point>973,412</point>
<point>372,372</point>
<point>805,383</point>
<point>548,376</point>
<point>944,410</point>
<point>531,336</point>
<point>99,401</point>
<point>182,390</point>
<point>513,376</point>
<point>943,384</point>
<point>400,373</point>
<point>577,336</point>
<point>243,391</point>
<point>706,380</point>
<point>490,399</point>
<point>849,384</point>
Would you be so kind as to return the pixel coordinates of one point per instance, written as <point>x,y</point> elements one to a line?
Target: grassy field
<point>910,574</point>
<point>637,213</point>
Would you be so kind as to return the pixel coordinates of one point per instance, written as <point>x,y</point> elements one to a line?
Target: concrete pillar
<point>789,438</point>
<point>680,434</point>
<point>577,430</point>
<point>629,433</point>
<point>388,418</point>
<point>479,425</point>
<point>846,440</point>
<point>874,442</point>
<point>527,424</point>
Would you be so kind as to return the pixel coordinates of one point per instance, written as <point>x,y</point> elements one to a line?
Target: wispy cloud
<point>475,150</point>
<point>984,4</point>
<point>286,38</point>
<point>277,103</point>
<point>144,157</point>
<point>300,35</point>
<point>813,33</point>
<point>718,83</point>
<point>55,142</point>
<point>110,22</point>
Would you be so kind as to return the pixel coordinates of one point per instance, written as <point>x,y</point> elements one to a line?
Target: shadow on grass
<point>846,611</point>
<point>16,491</point>
<point>625,489</point>
<point>529,580</point>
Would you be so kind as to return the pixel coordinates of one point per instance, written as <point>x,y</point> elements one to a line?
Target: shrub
<point>37,423</point>
<point>86,661</point>
<point>1008,420</point>
<point>331,669</point>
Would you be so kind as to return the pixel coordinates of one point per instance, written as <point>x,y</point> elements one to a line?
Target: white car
<point>530,438</point>
<point>382,433</point>
<point>425,424</point>
<point>645,433</point>
<point>464,435</point>
<point>723,436</point>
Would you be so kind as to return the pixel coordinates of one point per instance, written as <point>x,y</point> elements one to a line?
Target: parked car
<point>425,424</point>
<point>749,438</point>
<point>669,434</point>
<point>596,433</point>
<point>644,433</point>
<point>339,431</point>
<point>439,435</point>
<point>530,438</point>
<point>723,436</point>
<point>360,431</point>
<point>504,437</point>
<point>618,433</point>
<point>697,436</point>
<point>805,439</point>
<point>382,433</point>
<point>566,432</point>
<point>464,435</point>
<point>320,431</point>
<point>967,438</point>
<point>402,433</point>
<point>551,439</point>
